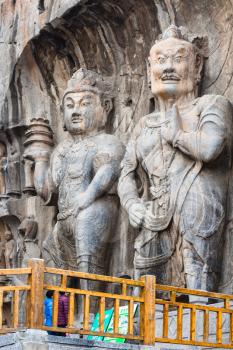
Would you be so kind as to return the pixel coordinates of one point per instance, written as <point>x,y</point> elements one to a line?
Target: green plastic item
<point>123,324</point>
<point>95,325</point>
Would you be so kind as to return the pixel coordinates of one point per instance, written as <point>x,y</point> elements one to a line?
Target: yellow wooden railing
<point>198,314</point>
<point>13,294</point>
<point>157,305</point>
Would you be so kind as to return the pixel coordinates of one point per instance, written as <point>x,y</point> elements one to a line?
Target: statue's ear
<point>199,61</point>
<point>62,115</point>
<point>148,68</point>
<point>108,105</point>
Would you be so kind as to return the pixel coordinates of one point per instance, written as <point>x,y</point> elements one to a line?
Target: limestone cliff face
<point>44,41</point>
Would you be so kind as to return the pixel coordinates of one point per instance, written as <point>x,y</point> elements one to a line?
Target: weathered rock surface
<point>44,41</point>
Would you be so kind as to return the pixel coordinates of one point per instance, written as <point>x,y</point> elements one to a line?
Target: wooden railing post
<point>147,317</point>
<point>35,304</point>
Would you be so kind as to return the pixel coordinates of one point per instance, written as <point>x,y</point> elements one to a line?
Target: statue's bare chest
<point>78,161</point>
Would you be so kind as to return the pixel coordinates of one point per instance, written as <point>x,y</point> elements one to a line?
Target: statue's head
<point>175,65</point>
<point>86,102</point>
<point>8,235</point>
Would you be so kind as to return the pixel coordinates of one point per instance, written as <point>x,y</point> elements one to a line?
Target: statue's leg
<point>93,228</point>
<point>198,275</point>
<point>201,225</point>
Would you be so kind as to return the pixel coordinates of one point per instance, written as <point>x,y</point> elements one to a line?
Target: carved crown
<point>87,80</point>
<point>200,43</point>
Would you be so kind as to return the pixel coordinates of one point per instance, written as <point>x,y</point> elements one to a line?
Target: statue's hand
<point>83,201</point>
<point>136,214</point>
<point>170,131</point>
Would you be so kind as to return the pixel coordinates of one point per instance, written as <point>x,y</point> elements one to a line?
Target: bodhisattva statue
<point>83,170</point>
<point>180,156</point>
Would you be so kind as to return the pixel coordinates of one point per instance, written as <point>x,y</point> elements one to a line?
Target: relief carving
<point>27,241</point>
<point>82,171</point>
<point>180,157</point>
<point>3,164</point>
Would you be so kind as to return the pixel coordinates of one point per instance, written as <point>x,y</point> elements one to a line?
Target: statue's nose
<point>169,70</point>
<point>76,112</point>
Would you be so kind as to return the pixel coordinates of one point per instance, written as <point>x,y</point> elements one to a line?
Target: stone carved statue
<point>13,181</point>
<point>3,162</point>
<point>83,171</point>
<point>176,170</point>
<point>9,249</point>
<point>27,247</point>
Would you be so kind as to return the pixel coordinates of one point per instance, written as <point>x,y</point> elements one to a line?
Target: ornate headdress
<point>200,43</point>
<point>87,80</point>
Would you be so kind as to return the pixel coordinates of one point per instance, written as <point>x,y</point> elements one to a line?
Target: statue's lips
<point>170,79</point>
<point>76,119</point>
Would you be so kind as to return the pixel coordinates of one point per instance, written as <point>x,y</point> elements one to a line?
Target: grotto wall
<point>44,42</point>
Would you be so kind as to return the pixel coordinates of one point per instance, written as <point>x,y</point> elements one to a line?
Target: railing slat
<point>1,308</point>
<point>231,328</point>
<point>55,308</point>
<point>116,316</point>
<point>86,312</point>
<point>124,289</point>
<point>179,322</point>
<point>173,296</point>
<point>63,281</point>
<point>102,311</point>
<point>219,326</point>
<point>71,310</point>
<point>130,316</point>
<point>148,319</point>
<point>16,309</point>
<point>36,294</point>
<point>193,324</point>
<point>226,303</point>
<point>165,320</point>
<point>206,325</point>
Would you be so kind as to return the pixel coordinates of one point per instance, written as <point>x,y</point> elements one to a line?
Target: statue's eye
<point>69,105</point>
<point>84,103</point>
<point>161,59</point>
<point>178,59</point>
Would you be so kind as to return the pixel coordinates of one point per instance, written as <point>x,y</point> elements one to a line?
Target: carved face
<point>174,68</point>
<point>8,235</point>
<point>83,112</point>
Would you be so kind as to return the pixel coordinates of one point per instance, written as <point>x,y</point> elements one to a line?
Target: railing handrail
<point>16,271</point>
<point>93,293</point>
<point>198,292</point>
<point>94,277</point>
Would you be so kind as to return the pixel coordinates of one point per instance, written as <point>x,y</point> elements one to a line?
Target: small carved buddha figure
<point>181,155</point>
<point>3,163</point>
<point>28,243</point>
<point>83,171</point>
<point>9,249</point>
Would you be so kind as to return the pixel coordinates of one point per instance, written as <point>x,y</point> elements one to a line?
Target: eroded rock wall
<point>44,41</point>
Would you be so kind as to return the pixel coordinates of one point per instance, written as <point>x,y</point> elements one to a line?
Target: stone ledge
<point>40,340</point>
